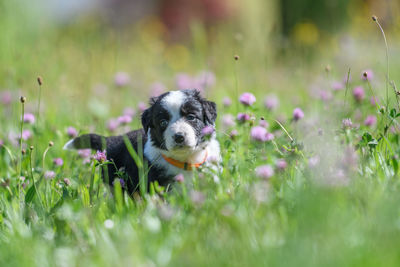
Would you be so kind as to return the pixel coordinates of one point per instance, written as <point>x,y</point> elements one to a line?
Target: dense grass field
<point>310,169</point>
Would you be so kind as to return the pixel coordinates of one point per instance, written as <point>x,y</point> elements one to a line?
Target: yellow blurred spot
<point>306,33</point>
<point>177,56</point>
<point>151,27</point>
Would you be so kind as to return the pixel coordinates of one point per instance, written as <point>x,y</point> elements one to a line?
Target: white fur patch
<point>69,145</point>
<point>180,126</point>
<point>173,103</point>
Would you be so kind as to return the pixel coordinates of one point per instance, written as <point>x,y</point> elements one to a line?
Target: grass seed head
<point>328,68</point>
<point>40,80</point>
<point>67,181</point>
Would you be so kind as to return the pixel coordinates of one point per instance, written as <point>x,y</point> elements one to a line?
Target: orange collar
<point>184,165</point>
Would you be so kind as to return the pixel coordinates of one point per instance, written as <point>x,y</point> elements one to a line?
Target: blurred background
<point>105,55</point>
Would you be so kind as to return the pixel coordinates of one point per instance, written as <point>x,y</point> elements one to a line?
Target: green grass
<point>339,210</point>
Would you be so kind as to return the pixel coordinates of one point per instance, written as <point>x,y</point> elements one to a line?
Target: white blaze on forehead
<point>173,102</point>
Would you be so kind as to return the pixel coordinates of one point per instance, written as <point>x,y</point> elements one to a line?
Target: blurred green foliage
<point>328,15</point>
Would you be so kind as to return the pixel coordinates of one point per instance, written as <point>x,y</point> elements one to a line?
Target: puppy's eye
<point>163,123</point>
<point>190,117</point>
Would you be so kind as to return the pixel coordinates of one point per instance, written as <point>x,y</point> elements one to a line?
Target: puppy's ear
<point>196,93</point>
<point>210,112</point>
<point>153,100</point>
<point>146,119</point>
<point>146,115</point>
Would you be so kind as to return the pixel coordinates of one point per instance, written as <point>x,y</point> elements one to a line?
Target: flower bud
<point>40,80</point>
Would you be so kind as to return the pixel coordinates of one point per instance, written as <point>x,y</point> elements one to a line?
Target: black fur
<point>93,141</point>
<point>118,153</point>
<point>151,119</point>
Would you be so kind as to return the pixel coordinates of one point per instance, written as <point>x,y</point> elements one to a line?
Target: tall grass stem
<point>40,82</point>
<point>374,18</point>
<point>236,83</point>
<point>33,179</point>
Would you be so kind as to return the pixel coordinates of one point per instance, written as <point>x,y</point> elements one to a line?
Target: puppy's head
<point>175,120</point>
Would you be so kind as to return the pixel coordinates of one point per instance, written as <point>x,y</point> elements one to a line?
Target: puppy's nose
<point>179,138</point>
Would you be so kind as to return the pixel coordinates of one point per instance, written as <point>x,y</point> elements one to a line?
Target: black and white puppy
<point>171,138</point>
